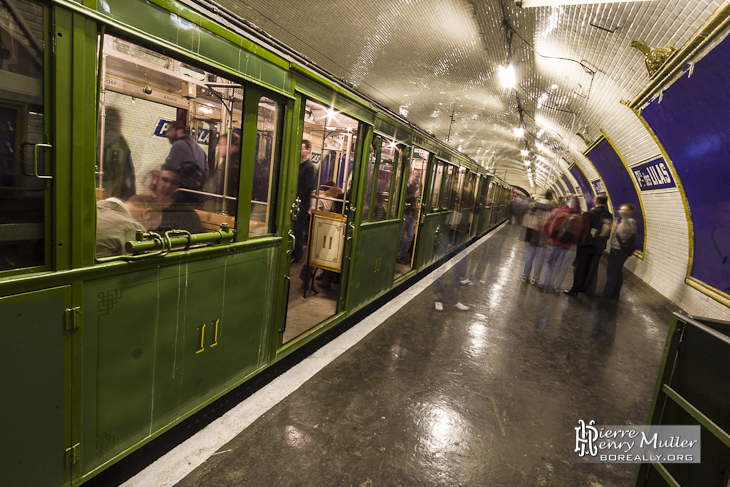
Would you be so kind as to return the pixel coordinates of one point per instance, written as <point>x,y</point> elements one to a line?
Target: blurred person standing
<point>117,222</point>
<point>566,232</point>
<point>538,240</point>
<point>598,221</point>
<point>187,159</point>
<point>623,245</point>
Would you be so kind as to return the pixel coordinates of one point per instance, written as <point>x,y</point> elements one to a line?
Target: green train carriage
<point>106,353</point>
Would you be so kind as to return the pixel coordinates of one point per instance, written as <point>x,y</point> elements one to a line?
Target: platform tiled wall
<point>664,266</point>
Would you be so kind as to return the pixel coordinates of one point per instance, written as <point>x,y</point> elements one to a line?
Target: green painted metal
<point>169,241</point>
<point>292,142</point>
<point>340,100</point>
<point>130,370</point>
<point>430,245</point>
<point>701,418</point>
<point>34,401</point>
<point>690,391</point>
<point>393,130</point>
<point>158,344</point>
<point>215,28</point>
<point>373,265</point>
<point>149,23</point>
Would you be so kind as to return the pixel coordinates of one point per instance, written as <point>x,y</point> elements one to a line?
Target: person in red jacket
<point>567,231</point>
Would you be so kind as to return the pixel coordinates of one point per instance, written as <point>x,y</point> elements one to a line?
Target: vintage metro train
<point>104,353</point>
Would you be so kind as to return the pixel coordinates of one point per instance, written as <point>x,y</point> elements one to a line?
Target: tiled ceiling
<point>429,59</point>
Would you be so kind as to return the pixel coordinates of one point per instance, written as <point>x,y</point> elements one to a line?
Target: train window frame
<point>447,192</point>
<point>437,179</point>
<point>392,210</point>
<point>251,96</point>
<point>256,95</point>
<point>45,172</point>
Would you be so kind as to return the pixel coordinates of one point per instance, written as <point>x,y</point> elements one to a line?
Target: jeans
<point>536,253</point>
<point>614,274</point>
<point>559,260</point>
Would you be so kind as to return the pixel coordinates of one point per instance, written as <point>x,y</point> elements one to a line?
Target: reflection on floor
<point>304,313</point>
<point>484,397</point>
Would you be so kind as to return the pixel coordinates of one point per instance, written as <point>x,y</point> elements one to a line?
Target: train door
<point>25,178</point>
<point>325,187</point>
<point>412,210</point>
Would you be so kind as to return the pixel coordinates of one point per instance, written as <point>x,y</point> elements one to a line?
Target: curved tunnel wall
<point>618,184</point>
<point>669,241</point>
<point>692,122</point>
<point>583,184</point>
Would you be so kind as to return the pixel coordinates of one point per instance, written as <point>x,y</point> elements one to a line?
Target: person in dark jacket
<point>305,186</point>
<point>598,221</point>
<point>188,160</point>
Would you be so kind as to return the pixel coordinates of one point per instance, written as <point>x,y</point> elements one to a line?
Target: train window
<point>23,183</point>
<point>169,147</point>
<point>458,189</point>
<point>395,186</point>
<point>411,210</point>
<point>326,167</point>
<point>438,173</point>
<point>448,187</point>
<point>372,162</point>
<point>263,196</point>
<point>386,193</point>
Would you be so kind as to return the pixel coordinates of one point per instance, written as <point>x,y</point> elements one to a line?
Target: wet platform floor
<point>484,397</point>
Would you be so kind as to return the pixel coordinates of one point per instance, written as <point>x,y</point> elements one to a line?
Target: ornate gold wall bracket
<point>654,57</point>
<point>585,139</point>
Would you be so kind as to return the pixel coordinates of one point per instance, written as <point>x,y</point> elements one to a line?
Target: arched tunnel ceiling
<point>429,59</point>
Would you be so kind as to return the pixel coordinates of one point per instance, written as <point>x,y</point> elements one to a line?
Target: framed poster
<point>326,240</point>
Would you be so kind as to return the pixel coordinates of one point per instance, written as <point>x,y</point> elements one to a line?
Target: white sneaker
<point>438,305</point>
<point>465,282</point>
<point>482,282</point>
<point>461,307</point>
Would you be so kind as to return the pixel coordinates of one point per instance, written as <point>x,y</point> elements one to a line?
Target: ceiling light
<point>507,76</point>
<point>519,132</point>
<point>554,87</point>
<point>527,163</point>
<point>523,152</point>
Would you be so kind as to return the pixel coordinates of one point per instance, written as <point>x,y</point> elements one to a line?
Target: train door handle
<point>35,160</point>
<point>295,208</point>
<point>293,239</point>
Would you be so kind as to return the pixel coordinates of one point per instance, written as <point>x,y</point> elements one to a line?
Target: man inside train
<point>188,160</point>
<point>117,222</point>
<point>176,214</point>
<point>305,186</point>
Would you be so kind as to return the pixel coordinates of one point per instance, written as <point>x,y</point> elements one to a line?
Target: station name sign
<point>598,187</point>
<point>653,175</point>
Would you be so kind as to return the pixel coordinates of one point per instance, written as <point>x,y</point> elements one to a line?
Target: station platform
<point>413,396</point>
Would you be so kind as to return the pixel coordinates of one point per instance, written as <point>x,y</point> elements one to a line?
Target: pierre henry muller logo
<point>585,437</point>
<point>637,443</point>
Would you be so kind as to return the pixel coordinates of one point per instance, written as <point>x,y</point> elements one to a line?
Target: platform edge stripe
<point>175,465</point>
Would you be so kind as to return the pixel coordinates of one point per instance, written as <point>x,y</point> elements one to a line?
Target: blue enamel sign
<point>653,175</point>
